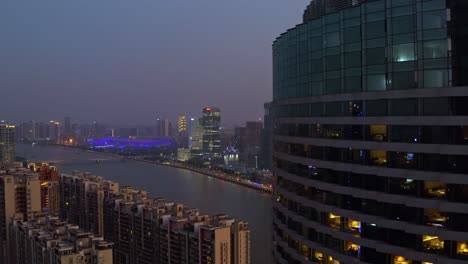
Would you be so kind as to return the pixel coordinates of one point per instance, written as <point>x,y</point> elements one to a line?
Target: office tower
<point>249,141</point>
<point>182,132</point>
<point>182,124</point>
<point>7,144</point>
<point>46,239</point>
<point>20,197</point>
<point>48,177</point>
<point>163,128</point>
<point>147,230</point>
<point>371,127</point>
<point>82,200</point>
<point>267,139</point>
<point>196,141</point>
<point>67,125</point>
<point>211,122</point>
<point>190,125</point>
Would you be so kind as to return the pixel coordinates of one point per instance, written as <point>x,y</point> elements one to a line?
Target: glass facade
<point>371,133</point>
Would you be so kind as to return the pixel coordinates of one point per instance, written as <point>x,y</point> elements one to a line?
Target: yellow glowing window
<point>318,256</point>
<point>401,260</point>
<point>432,243</point>
<point>332,261</point>
<point>462,248</point>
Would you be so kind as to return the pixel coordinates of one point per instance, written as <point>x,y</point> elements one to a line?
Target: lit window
<point>334,221</point>
<point>403,52</point>
<point>462,248</point>
<point>432,243</point>
<point>401,260</point>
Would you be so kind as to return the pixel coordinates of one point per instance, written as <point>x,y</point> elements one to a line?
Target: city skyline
<point>133,61</point>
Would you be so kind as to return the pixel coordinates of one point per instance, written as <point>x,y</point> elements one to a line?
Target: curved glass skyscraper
<point>371,133</point>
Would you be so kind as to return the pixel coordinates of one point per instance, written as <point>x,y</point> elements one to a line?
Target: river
<point>195,190</point>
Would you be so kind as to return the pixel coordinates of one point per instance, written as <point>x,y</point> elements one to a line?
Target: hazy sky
<point>130,61</point>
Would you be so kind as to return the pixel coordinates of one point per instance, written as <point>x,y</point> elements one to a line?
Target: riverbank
<point>215,174</point>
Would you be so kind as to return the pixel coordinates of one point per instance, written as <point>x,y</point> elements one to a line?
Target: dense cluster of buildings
<point>30,231</point>
<point>82,218</point>
<point>151,230</point>
<point>370,135</point>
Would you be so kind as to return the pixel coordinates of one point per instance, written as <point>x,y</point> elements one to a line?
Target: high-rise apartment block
<point>48,177</point>
<point>82,198</point>
<point>7,144</point>
<point>20,197</point>
<point>371,131</point>
<point>148,230</point>
<point>46,239</point>
<point>211,123</point>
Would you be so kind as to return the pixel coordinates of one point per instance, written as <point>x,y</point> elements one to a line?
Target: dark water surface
<point>208,194</point>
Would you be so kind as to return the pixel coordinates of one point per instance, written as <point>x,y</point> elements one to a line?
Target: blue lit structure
<point>129,143</point>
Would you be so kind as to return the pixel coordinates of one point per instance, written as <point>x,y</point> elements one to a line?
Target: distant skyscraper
<point>182,124</point>
<point>67,125</point>
<point>211,122</point>
<point>163,128</point>
<point>7,144</point>
<point>370,102</point>
<point>54,131</point>
<point>267,139</point>
<point>249,142</point>
<point>196,140</point>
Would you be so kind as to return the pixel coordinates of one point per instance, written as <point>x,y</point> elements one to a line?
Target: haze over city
<point>130,61</point>
<point>234,132</point>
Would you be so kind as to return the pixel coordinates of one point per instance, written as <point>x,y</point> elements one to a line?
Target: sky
<point>132,61</point>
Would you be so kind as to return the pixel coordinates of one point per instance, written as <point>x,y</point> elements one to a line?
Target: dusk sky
<point>128,62</point>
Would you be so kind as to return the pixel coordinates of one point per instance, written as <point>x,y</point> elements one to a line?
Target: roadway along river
<point>195,190</point>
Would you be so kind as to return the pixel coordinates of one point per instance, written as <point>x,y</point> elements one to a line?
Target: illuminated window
<point>435,218</point>
<point>435,189</point>
<point>401,260</point>
<point>318,256</point>
<point>334,221</point>
<point>354,226</point>
<point>378,157</point>
<point>330,260</point>
<point>306,251</point>
<point>352,249</point>
<point>378,132</point>
<point>403,52</point>
<point>432,244</point>
<point>462,248</point>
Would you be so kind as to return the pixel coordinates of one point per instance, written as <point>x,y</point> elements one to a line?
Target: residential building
<point>48,177</point>
<point>146,230</point>
<point>54,131</point>
<point>20,197</point>
<point>371,128</point>
<point>7,144</point>
<point>46,239</point>
<point>82,200</point>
